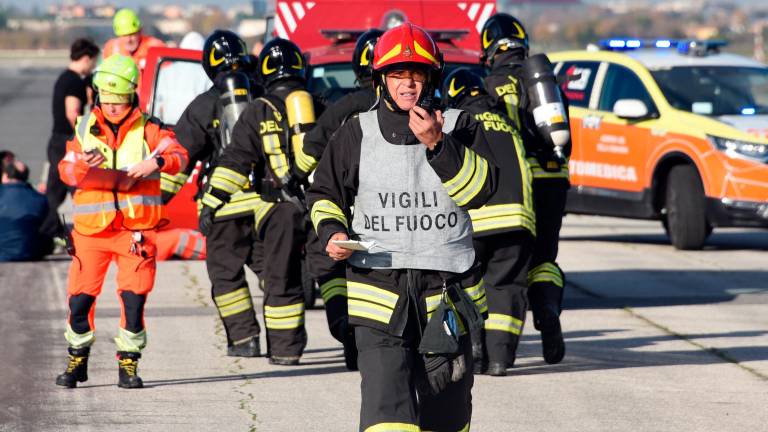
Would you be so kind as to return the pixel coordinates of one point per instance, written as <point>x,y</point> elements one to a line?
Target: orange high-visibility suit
<point>119,226</point>
<point>115,46</point>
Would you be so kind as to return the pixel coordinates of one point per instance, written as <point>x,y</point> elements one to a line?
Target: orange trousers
<point>135,279</point>
<point>180,243</point>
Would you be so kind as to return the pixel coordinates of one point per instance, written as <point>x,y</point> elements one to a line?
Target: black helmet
<point>502,32</point>
<point>362,57</point>
<point>223,51</point>
<point>281,58</point>
<point>459,84</point>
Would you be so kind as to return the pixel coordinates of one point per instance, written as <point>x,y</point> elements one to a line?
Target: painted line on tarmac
<point>721,354</point>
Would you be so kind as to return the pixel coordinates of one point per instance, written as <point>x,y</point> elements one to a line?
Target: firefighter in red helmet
<point>411,171</point>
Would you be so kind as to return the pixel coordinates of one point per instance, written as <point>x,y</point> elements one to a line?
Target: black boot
<point>249,348</point>
<point>547,322</point>
<point>479,357</point>
<point>77,368</point>
<point>128,363</point>
<point>497,369</point>
<point>552,344</point>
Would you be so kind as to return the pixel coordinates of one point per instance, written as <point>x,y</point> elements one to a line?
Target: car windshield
<point>715,90</point>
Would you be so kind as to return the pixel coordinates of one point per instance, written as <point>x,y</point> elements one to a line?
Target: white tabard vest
<point>402,207</point>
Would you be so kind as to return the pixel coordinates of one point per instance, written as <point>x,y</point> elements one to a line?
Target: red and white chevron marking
<point>288,16</point>
<point>478,12</point>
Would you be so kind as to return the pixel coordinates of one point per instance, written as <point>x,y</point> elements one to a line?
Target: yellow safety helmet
<point>116,75</point>
<point>126,22</point>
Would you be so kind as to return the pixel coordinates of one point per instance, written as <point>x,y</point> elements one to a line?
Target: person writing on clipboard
<point>114,161</point>
<point>411,172</point>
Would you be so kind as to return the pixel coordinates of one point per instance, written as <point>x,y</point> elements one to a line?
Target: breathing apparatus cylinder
<point>546,103</point>
<point>301,117</point>
<point>235,89</point>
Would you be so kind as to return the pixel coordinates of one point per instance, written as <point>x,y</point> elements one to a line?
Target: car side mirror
<point>630,109</point>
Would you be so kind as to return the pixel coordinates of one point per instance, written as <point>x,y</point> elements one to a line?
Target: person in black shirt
<point>69,99</point>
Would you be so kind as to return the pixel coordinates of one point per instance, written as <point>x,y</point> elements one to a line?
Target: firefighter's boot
<point>479,356</point>
<point>128,363</point>
<point>552,343</point>
<point>249,348</point>
<point>77,368</point>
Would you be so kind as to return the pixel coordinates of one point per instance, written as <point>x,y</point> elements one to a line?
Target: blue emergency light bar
<point>683,46</point>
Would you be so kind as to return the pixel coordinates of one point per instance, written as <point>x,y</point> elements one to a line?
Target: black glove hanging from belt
<point>443,359</point>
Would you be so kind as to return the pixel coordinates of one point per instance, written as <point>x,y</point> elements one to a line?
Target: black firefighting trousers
<point>283,235</point>
<point>331,277</point>
<point>395,395</point>
<point>504,259</point>
<point>545,278</point>
<point>230,245</point>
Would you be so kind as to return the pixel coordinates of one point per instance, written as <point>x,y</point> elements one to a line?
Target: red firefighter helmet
<point>404,46</point>
<point>406,43</point>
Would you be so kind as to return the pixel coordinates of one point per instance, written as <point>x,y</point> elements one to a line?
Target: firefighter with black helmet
<point>329,274</point>
<point>504,228</point>
<point>204,129</point>
<point>267,141</point>
<point>525,89</point>
<point>411,173</point>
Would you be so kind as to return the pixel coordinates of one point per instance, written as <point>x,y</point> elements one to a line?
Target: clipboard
<point>107,179</point>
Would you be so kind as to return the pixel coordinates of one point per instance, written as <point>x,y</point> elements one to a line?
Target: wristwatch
<point>160,162</point>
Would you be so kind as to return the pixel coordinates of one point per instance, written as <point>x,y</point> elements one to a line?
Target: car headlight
<point>742,149</point>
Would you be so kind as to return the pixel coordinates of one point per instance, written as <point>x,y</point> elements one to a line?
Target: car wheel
<point>308,285</point>
<point>686,220</point>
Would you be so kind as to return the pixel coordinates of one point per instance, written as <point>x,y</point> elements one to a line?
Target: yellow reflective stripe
<point>260,212</point>
<point>211,200</point>
<point>332,288</point>
<point>372,311</point>
<point>241,203</point>
<point>131,342</point>
<point>469,181</point>
<point>546,272</point>
<point>223,184</point>
<point>283,311</point>
<point>477,294</point>
<point>277,159</point>
<point>326,209</point>
<point>476,185</point>
<point>371,293</point>
<point>462,177</point>
<point>539,172</point>
<point>235,302</point>
<point>284,317</point>
<point>79,340</point>
<point>506,323</point>
<point>526,175</point>
<point>288,323</point>
<point>230,175</point>
<point>172,184</point>
<point>228,298</point>
<point>432,302</point>
<point>503,216</point>
<point>304,161</point>
<point>393,427</point>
